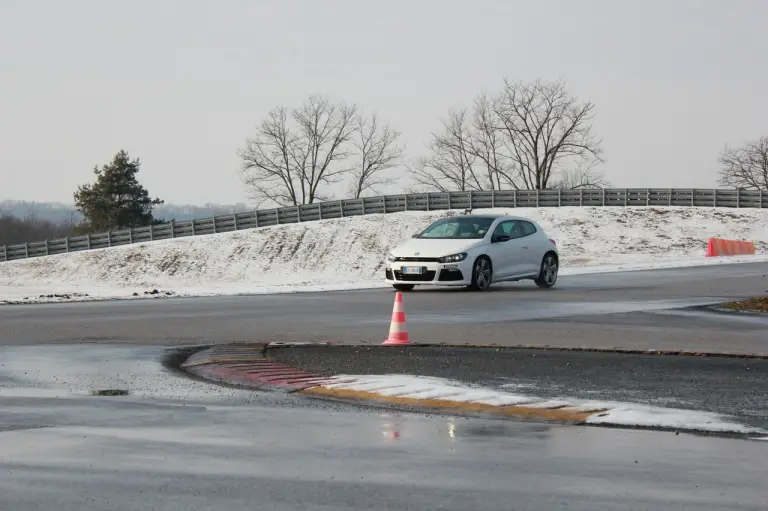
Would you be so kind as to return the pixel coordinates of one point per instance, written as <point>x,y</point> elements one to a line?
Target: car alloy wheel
<point>548,275</point>
<point>482,274</point>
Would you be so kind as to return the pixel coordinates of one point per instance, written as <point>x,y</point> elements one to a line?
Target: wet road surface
<point>176,444</point>
<point>633,310</point>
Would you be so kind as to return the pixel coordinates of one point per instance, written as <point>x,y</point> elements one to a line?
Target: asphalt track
<point>174,444</point>
<point>643,310</point>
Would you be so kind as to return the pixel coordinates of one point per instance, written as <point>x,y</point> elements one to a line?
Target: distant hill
<point>60,213</point>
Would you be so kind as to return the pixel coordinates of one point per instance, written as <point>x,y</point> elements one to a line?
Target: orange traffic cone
<point>397,331</point>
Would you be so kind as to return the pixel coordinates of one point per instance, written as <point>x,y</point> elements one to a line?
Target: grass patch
<point>756,304</point>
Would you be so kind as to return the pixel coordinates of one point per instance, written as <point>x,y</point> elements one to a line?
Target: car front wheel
<point>482,273</point>
<point>548,273</point>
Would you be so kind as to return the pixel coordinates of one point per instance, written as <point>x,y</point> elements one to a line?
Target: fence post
<point>406,202</point>
<point>362,205</point>
<point>151,232</point>
<point>341,208</point>
<point>5,253</point>
<point>46,248</point>
<point>234,221</point>
<point>738,197</point>
<point>173,229</point>
<point>493,198</point>
<point>714,199</point>
<point>538,192</point>
<point>647,197</point>
<point>214,225</point>
<point>89,241</point>
<point>470,200</point>
<point>559,197</point>
<point>320,209</point>
<point>26,250</point>
<point>277,215</point>
<point>193,227</point>
<point>693,197</point>
<point>581,196</point>
<point>256,217</point>
<point>66,244</point>
<point>626,197</point>
<point>670,196</point>
<point>298,213</point>
<point>427,194</point>
<point>514,198</point>
<point>130,235</point>
<point>761,197</point>
<point>109,238</point>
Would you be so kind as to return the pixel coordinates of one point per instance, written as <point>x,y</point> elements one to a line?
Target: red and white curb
<point>246,366</point>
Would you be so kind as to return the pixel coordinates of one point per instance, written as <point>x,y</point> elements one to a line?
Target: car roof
<point>493,217</point>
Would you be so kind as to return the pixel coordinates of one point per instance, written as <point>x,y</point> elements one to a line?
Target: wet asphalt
<point>631,310</point>
<point>174,444</point>
<point>731,386</point>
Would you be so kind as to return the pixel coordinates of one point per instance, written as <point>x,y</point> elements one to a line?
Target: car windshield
<point>458,228</point>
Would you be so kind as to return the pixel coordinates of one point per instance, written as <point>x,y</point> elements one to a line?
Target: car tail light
<point>553,241</point>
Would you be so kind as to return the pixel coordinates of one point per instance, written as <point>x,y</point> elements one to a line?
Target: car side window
<point>515,229</point>
<point>504,228</point>
<point>528,228</point>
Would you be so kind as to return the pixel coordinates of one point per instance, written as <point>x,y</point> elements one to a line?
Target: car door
<point>530,248</point>
<point>505,250</point>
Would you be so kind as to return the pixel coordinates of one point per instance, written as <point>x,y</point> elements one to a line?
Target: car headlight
<point>455,258</point>
<point>390,258</point>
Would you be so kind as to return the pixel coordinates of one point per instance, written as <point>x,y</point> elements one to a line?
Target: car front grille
<point>425,276</point>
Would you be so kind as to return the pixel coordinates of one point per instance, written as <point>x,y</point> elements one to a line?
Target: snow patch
<point>348,253</point>
<point>616,413</point>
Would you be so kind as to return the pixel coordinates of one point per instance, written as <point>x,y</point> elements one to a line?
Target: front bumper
<point>431,273</point>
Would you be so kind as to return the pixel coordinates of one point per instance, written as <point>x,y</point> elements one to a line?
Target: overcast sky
<point>181,84</point>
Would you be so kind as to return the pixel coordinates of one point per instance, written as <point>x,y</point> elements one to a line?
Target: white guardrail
<point>394,204</point>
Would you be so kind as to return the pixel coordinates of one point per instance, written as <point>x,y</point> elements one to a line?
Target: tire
<point>548,273</point>
<point>482,274</point>
<point>403,287</point>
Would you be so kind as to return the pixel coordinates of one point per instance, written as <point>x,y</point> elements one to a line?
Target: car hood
<point>434,247</point>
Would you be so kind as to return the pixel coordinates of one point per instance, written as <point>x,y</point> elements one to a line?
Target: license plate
<point>412,270</point>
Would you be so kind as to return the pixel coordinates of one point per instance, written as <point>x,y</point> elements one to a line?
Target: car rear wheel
<point>548,273</point>
<point>482,274</point>
<point>403,287</point>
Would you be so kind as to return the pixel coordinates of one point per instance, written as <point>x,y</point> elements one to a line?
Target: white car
<point>475,251</point>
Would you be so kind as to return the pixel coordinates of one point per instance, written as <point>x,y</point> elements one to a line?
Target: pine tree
<point>116,200</point>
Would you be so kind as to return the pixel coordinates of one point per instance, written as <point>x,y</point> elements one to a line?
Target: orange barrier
<point>398,334</point>
<point>720,247</point>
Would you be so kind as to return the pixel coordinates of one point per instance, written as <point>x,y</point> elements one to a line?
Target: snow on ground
<point>615,414</point>
<point>348,253</point>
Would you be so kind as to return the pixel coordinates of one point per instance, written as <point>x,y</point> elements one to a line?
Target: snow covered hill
<point>348,253</point>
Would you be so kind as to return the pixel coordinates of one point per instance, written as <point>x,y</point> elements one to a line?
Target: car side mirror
<point>500,238</point>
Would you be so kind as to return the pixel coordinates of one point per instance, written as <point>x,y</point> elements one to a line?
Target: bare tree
<point>544,129</point>
<point>746,167</point>
<point>587,178</point>
<point>524,137</point>
<point>377,151</point>
<point>486,143</point>
<point>289,165</point>
<point>451,163</point>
